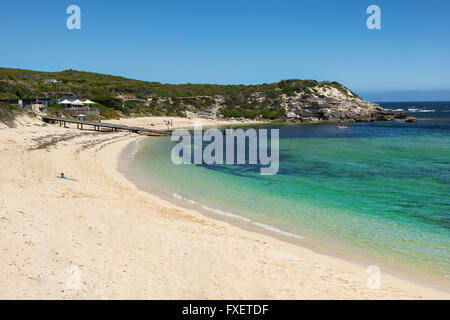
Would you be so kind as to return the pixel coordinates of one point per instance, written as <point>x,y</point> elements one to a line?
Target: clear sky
<point>239,42</point>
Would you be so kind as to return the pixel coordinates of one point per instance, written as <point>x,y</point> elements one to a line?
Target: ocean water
<point>379,190</point>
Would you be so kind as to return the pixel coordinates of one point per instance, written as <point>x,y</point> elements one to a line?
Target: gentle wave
<point>180,197</point>
<point>177,196</point>
<point>417,110</point>
<point>229,214</point>
<point>232,215</point>
<point>136,146</point>
<point>265,226</point>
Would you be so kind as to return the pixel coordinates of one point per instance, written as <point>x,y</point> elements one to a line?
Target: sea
<point>377,192</point>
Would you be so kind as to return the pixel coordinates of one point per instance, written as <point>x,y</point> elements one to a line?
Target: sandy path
<point>132,245</point>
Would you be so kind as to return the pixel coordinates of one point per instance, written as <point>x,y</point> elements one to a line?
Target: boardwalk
<point>113,127</point>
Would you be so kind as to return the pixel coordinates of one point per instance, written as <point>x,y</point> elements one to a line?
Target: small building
<point>28,102</point>
<point>51,81</point>
<point>14,102</point>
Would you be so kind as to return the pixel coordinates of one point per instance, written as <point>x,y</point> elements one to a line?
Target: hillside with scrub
<point>294,99</point>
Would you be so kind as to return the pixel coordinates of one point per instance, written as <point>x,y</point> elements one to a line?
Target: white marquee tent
<point>77,103</point>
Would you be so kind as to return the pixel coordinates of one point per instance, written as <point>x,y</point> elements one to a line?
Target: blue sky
<point>239,42</point>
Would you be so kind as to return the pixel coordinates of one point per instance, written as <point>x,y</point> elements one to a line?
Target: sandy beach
<point>128,244</point>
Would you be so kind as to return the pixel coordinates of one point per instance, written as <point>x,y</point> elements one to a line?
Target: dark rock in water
<point>410,119</point>
<point>400,116</point>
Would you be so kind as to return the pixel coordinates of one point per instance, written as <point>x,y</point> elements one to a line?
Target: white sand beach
<point>129,244</point>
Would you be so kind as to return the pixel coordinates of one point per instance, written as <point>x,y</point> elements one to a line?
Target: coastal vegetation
<point>7,114</point>
<point>118,96</point>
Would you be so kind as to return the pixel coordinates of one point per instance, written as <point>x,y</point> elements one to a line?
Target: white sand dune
<point>128,244</point>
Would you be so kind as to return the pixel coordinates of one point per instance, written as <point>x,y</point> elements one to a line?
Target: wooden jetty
<point>113,127</point>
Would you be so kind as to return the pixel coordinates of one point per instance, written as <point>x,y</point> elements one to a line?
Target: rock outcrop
<point>336,108</point>
<point>320,103</point>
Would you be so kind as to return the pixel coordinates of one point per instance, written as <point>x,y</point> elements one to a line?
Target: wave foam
<point>420,110</point>
<point>270,228</point>
<point>235,216</point>
<point>177,196</point>
<point>229,214</point>
<point>136,147</point>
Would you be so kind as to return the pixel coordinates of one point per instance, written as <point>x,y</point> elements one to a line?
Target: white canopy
<point>77,103</point>
<point>88,102</point>
<point>65,102</point>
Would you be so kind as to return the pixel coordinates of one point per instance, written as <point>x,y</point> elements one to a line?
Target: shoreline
<point>125,168</point>
<point>129,244</point>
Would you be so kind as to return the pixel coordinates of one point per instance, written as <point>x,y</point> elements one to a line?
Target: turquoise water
<point>377,189</point>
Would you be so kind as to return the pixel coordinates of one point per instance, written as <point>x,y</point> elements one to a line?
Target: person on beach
<point>62,176</point>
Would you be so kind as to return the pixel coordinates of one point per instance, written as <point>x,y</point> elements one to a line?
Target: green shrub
<point>55,110</point>
<point>108,101</point>
<point>7,116</point>
<point>272,114</point>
